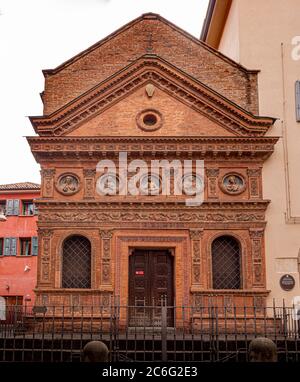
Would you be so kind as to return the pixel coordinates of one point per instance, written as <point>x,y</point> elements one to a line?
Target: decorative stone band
<point>92,212</point>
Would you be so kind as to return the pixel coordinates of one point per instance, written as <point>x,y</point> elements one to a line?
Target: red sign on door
<point>139,273</point>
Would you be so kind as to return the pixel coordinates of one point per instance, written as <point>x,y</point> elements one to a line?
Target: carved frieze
<point>126,216</point>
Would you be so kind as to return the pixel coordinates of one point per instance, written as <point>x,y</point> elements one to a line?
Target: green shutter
<point>16,207</point>
<point>13,246</point>
<point>9,207</point>
<point>7,246</point>
<point>34,246</point>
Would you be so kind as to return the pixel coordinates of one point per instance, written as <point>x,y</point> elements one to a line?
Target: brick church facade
<point>155,92</point>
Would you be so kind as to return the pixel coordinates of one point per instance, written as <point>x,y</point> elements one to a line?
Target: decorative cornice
<point>99,147</point>
<point>167,77</point>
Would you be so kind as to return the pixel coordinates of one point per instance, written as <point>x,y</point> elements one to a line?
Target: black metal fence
<point>146,333</point>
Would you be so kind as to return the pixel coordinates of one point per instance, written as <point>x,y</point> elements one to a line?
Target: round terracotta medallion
<point>68,184</point>
<point>233,184</point>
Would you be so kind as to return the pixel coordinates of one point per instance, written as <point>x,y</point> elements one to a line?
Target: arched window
<point>226,263</point>
<point>76,263</point>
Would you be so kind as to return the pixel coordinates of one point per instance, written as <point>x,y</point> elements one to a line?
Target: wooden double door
<point>151,282</point>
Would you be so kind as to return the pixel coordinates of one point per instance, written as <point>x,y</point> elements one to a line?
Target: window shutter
<point>34,246</point>
<point>7,246</point>
<point>298,101</point>
<point>16,210</point>
<point>13,246</point>
<point>9,207</point>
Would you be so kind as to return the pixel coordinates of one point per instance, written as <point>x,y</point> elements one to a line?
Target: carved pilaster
<point>212,182</point>
<point>47,182</point>
<point>195,236</point>
<point>254,182</point>
<point>106,236</point>
<point>89,183</point>
<point>256,236</point>
<point>45,256</point>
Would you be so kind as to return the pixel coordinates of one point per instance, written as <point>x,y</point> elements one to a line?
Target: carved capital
<point>255,233</point>
<point>45,233</point>
<point>106,234</point>
<point>254,172</point>
<point>212,172</point>
<point>89,172</point>
<point>195,234</point>
<point>49,172</point>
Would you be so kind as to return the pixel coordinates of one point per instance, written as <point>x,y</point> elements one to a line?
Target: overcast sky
<point>41,34</point>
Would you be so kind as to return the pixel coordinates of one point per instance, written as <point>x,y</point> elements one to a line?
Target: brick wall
<point>169,42</point>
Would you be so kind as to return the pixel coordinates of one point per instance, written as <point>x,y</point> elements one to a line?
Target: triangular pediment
<point>119,100</point>
<point>170,117</point>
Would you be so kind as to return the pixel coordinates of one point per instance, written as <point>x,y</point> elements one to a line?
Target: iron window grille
<point>76,264</point>
<point>226,263</point>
